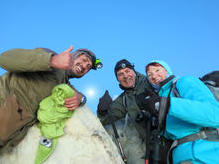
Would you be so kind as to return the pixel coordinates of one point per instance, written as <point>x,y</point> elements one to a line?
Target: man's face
<point>156,74</point>
<point>81,65</point>
<point>126,77</point>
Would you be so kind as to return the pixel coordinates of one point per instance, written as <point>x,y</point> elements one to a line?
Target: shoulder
<point>189,85</point>
<point>118,99</point>
<point>117,102</point>
<point>142,83</point>
<point>189,80</point>
<point>140,76</point>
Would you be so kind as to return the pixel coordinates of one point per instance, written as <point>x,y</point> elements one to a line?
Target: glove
<point>164,106</point>
<point>104,104</point>
<point>147,100</point>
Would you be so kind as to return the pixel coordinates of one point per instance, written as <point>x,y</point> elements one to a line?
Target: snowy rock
<point>85,141</point>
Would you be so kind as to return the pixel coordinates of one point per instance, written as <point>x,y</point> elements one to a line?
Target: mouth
<point>157,81</point>
<point>128,80</point>
<point>79,69</point>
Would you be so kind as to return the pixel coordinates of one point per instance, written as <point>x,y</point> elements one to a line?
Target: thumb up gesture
<point>63,60</point>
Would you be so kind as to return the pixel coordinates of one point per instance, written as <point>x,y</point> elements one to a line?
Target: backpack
<point>211,80</point>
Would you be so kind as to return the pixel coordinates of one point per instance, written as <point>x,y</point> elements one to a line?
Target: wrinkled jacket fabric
<point>196,108</point>
<point>118,109</point>
<point>29,80</point>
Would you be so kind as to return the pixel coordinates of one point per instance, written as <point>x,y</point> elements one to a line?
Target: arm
<point>197,105</point>
<point>116,111</point>
<point>39,59</point>
<point>25,60</point>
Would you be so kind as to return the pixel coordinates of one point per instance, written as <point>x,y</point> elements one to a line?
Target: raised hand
<point>104,103</point>
<point>63,60</point>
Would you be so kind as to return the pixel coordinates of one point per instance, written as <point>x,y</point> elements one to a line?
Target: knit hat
<point>123,64</point>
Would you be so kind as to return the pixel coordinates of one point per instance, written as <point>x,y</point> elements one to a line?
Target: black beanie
<point>123,64</point>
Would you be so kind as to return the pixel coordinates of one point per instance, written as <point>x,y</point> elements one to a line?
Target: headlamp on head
<point>98,64</point>
<point>123,64</point>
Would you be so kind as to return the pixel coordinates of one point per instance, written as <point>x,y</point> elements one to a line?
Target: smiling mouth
<point>128,80</point>
<point>79,69</point>
<point>157,81</point>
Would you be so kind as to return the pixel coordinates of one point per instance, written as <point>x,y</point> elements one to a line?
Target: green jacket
<point>29,80</point>
<point>118,109</point>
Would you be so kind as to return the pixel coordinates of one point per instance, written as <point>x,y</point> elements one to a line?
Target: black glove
<point>104,104</point>
<point>147,100</point>
<point>164,106</point>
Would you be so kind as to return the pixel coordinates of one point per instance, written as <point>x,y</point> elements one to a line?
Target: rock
<point>85,141</point>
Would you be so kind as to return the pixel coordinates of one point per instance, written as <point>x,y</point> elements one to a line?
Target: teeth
<point>129,80</point>
<point>157,81</point>
<point>79,68</point>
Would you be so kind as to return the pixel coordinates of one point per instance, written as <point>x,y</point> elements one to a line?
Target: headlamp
<point>98,64</point>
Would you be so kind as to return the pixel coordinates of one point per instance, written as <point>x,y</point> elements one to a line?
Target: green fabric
<point>44,152</point>
<point>52,116</point>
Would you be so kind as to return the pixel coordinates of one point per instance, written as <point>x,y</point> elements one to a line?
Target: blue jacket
<point>196,108</point>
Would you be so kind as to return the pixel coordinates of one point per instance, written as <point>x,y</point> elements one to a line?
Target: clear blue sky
<point>184,33</point>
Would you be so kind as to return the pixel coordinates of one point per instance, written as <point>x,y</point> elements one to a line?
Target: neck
<point>166,80</point>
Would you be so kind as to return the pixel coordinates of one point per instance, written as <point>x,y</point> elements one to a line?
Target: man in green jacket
<point>132,83</point>
<point>31,76</point>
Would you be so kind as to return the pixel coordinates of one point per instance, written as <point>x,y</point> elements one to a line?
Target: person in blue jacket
<point>190,118</point>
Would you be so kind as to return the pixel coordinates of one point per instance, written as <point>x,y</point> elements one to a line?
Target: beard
<point>71,74</point>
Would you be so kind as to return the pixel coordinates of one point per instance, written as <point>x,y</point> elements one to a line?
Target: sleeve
<point>26,60</point>
<point>196,105</point>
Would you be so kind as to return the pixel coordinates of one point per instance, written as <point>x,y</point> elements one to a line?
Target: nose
<point>125,76</point>
<point>153,76</point>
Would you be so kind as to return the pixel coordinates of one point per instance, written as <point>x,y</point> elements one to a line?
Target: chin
<point>78,76</point>
<point>128,86</point>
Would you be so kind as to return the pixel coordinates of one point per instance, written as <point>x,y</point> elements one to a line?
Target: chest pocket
<point>12,119</point>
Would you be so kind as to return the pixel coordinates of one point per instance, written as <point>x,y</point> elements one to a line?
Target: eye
<point>119,74</point>
<point>88,66</point>
<point>84,60</point>
<point>127,71</point>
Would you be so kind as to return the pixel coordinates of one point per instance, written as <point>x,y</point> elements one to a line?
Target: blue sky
<point>184,33</point>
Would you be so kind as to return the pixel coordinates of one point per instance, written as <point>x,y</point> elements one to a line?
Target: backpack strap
<point>207,133</point>
<point>210,82</point>
<point>174,89</point>
<point>211,134</point>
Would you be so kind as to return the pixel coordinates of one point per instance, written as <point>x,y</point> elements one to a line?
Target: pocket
<point>12,118</point>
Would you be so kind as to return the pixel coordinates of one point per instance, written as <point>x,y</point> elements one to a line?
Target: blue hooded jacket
<point>195,109</point>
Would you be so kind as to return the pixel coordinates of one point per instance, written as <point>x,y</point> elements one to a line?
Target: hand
<point>63,60</point>
<point>104,103</point>
<point>73,102</point>
<point>147,100</point>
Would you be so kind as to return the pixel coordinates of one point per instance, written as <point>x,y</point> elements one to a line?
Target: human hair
<point>152,64</point>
